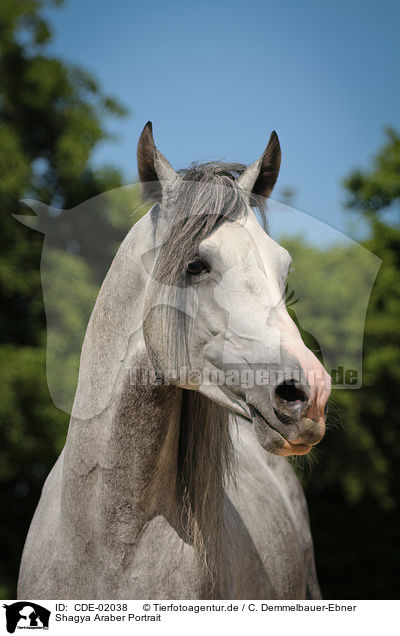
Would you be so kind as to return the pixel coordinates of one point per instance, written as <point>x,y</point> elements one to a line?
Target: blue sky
<point>216,77</point>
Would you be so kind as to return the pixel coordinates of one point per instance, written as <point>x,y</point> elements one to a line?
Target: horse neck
<point>120,468</point>
<point>157,451</point>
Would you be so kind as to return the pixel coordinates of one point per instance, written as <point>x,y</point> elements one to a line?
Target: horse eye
<point>197,267</point>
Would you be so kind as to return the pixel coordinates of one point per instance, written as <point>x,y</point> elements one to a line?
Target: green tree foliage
<point>375,190</point>
<point>51,118</point>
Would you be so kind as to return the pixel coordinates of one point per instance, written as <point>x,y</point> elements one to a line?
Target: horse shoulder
<point>38,575</point>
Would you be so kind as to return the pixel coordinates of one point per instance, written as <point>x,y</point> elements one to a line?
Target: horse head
<point>222,326</point>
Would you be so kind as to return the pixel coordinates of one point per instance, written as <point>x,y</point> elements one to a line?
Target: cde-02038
<point>94,607</point>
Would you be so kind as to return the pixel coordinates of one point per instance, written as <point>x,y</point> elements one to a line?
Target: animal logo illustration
<point>25,614</point>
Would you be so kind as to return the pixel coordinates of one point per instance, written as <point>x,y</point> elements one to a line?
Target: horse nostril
<point>290,392</point>
<point>290,402</point>
<point>326,409</point>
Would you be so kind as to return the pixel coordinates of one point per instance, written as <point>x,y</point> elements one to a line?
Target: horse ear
<point>154,169</point>
<point>261,176</point>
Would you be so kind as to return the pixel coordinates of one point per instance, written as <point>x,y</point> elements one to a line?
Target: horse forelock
<point>203,198</point>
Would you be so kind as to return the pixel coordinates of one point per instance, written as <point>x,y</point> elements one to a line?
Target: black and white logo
<point>26,615</point>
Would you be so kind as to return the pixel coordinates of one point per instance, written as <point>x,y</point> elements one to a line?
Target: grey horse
<point>194,385</point>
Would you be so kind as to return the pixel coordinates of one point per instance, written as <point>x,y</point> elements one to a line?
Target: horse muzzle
<point>292,422</point>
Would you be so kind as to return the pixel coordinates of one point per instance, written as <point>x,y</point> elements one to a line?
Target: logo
<point>26,615</point>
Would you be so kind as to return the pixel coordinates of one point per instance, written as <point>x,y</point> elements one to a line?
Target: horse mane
<point>205,464</point>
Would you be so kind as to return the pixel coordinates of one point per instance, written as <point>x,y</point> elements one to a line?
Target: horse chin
<point>272,441</point>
